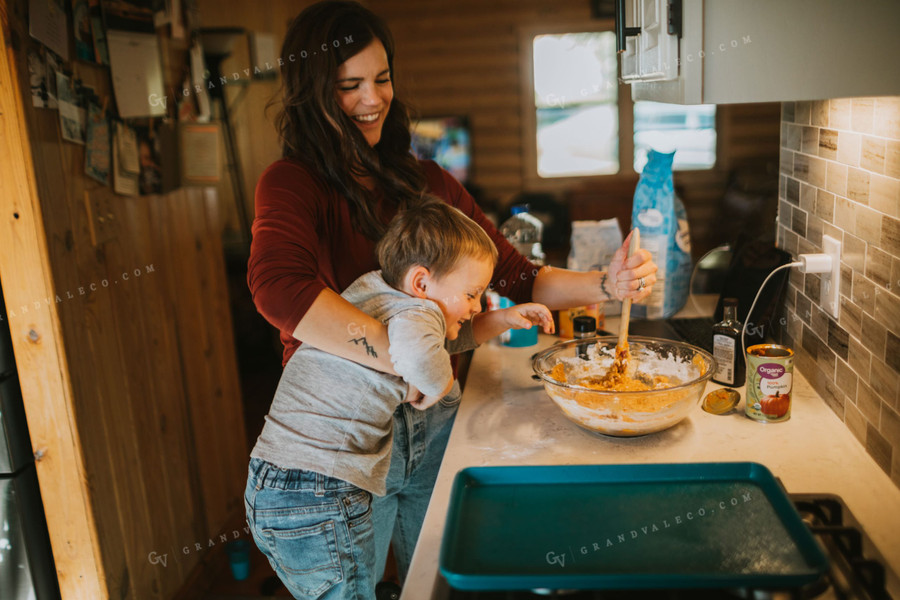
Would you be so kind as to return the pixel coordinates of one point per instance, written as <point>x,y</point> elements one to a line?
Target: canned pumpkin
<point>770,374</point>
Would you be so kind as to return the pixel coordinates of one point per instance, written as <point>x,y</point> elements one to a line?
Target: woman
<point>346,170</point>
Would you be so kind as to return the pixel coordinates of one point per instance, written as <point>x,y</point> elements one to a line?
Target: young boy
<point>325,447</point>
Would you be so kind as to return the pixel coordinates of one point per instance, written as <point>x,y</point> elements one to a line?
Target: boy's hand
<point>523,316</point>
<point>425,402</point>
<point>413,394</point>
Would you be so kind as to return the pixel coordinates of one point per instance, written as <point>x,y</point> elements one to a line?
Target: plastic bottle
<point>730,363</point>
<point>518,338</point>
<point>523,231</point>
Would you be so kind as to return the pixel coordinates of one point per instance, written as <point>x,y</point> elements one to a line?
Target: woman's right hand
<point>630,277</point>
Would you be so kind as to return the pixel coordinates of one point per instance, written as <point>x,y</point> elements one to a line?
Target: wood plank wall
<point>464,57</point>
<point>148,351</point>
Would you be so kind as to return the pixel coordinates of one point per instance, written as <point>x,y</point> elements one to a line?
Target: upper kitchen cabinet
<point>734,51</point>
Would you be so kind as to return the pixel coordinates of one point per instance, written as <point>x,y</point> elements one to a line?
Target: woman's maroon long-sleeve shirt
<point>304,241</point>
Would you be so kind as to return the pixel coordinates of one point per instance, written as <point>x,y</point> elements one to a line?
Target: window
<point>575,96</point>
<point>689,130</point>
<point>577,114</point>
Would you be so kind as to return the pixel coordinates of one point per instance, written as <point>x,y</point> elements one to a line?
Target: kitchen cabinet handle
<point>623,32</point>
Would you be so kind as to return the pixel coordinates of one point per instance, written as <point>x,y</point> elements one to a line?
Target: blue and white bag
<point>661,217</point>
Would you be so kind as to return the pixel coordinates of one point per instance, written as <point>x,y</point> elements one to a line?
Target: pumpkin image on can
<point>770,374</point>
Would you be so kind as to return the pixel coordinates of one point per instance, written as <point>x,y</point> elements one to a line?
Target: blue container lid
<point>518,208</point>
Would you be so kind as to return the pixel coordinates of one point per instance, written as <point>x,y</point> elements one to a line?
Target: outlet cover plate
<point>830,292</point>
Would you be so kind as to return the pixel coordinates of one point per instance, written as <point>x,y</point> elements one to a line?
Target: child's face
<point>458,293</point>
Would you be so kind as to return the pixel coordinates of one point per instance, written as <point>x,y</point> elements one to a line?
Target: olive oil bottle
<point>730,362</point>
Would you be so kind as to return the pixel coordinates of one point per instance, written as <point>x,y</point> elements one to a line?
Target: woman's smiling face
<point>364,90</point>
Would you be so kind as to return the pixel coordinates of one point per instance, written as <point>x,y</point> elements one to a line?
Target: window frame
<point>534,182</point>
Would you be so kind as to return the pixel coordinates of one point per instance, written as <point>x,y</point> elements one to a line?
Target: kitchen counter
<point>506,418</point>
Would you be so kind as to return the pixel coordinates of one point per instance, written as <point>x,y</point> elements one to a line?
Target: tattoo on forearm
<point>603,277</point>
<point>369,349</point>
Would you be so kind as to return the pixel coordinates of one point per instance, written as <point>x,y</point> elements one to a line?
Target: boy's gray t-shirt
<point>334,416</point>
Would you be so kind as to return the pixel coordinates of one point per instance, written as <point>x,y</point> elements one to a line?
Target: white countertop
<point>506,418</point>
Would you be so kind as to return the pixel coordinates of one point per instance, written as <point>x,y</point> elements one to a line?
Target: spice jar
<point>584,327</point>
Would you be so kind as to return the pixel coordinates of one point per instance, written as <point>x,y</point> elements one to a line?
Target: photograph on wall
<point>97,149</point>
<point>41,96</point>
<point>126,162</point>
<point>150,177</point>
<point>101,51</point>
<point>71,116</point>
<point>81,29</point>
<point>52,61</point>
<point>129,15</point>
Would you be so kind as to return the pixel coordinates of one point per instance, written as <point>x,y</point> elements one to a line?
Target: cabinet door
<point>652,55</point>
<point>659,48</point>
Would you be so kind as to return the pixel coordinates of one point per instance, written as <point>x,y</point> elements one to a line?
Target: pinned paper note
<point>127,148</point>
<point>136,73</point>
<point>47,24</point>
<point>199,153</point>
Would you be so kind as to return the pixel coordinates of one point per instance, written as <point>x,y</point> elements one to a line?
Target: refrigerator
<point>27,571</point>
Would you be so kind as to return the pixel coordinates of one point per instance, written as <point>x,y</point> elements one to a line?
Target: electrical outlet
<point>831,282</point>
<point>101,218</point>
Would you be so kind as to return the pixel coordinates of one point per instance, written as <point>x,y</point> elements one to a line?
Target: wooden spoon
<point>626,303</point>
<point>617,371</point>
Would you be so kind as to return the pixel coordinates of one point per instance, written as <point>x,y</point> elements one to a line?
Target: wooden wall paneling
<point>120,381</point>
<point>195,347</point>
<point>236,454</point>
<point>82,324</point>
<point>69,249</point>
<point>165,475</point>
<point>47,390</point>
<point>84,336</point>
<point>169,401</point>
<point>167,249</point>
<point>228,427</point>
<point>218,420</point>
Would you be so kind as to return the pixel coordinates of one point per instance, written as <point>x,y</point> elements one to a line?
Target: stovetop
<point>857,570</point>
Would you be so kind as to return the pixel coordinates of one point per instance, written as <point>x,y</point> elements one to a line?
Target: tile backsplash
<point>840,176</point>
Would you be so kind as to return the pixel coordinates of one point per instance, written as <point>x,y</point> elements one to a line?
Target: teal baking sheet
<point>625,527</point>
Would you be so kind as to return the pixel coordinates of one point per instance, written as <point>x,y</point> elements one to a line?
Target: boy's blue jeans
<point>420,437</point>
<point>315,530</point>
<point>328,539</point>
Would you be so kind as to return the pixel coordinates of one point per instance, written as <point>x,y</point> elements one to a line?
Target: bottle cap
<point>584,324</point>
<point>730,302</point>
<point>518,208</point>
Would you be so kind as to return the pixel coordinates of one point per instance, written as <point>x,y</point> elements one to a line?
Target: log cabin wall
<point>125,354</point>
<point>463,57</point>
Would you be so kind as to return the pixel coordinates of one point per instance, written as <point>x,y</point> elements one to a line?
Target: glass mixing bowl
<point>626,413</point>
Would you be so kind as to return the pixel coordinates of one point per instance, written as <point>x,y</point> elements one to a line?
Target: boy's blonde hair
<point>434,235</point>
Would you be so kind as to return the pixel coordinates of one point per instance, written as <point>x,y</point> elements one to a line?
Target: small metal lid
<point>584,324</point>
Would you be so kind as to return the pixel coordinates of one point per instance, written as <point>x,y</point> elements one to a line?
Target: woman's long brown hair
<point>316,131</point>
